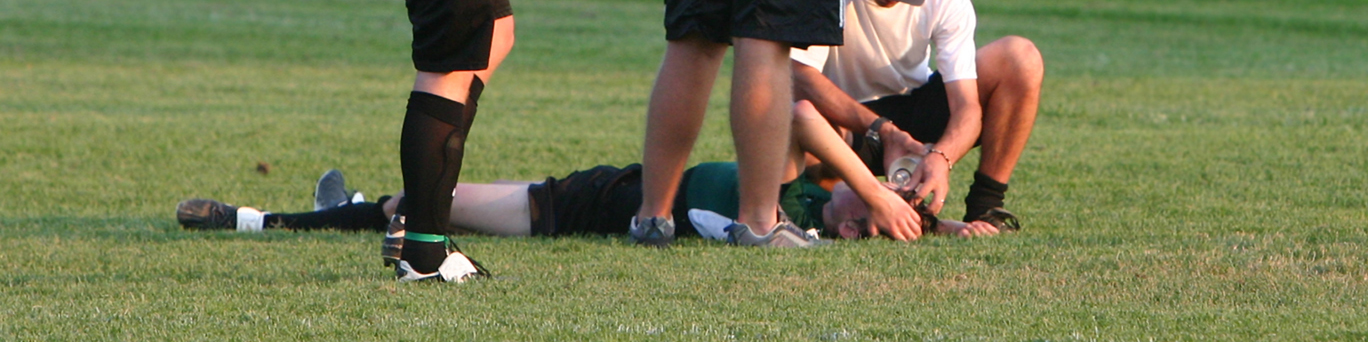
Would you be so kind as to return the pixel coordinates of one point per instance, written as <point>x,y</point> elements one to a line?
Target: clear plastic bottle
<point>901,174</point>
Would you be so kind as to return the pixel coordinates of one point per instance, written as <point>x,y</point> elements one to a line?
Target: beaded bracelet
<point>947,158</point>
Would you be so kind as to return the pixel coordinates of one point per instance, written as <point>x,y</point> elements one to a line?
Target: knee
<point>1024,57</point>
<point>1012,60</point>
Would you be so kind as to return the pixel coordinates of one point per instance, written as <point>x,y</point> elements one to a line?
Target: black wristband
<point>874,128</point>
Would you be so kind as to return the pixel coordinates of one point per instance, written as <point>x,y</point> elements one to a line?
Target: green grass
<point>1196,173</point>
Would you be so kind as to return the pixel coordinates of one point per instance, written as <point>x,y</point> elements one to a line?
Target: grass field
<point>1197,173</point>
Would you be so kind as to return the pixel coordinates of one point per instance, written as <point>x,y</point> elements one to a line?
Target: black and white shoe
<point>456,268</point>
<point>202,213</point>
<point>392,248</point>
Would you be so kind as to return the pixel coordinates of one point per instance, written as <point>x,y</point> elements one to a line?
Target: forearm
<point>966,121</point>
<point>833,103</point>
<point>816,136</point>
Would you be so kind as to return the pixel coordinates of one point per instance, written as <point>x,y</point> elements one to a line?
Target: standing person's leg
<point>761,104</point>
<point>1010,75</point>
<point>761,101</point>
<point>457,46</point>
<point>674,116</point>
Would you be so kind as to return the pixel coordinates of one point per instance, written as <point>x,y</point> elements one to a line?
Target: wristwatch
<point>873,133</point>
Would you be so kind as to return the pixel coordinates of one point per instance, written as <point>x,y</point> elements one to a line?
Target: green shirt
<point>714,187</point>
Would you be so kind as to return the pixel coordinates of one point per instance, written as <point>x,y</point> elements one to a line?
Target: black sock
<point>353,217</point>
<point>431,149</point>
<point>986,193</point>
<point>435,253</point>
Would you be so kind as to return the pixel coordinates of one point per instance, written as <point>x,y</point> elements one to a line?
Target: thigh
<point>454,35</point>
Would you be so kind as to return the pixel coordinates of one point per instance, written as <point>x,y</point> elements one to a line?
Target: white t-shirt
<point>887,50</point>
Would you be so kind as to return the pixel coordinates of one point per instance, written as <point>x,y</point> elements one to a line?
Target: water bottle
<point>901,175</point>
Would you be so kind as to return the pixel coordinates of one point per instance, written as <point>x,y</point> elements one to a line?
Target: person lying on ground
<point>593,201</point>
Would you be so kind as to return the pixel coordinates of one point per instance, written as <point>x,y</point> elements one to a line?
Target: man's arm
<point>842,110</point>
<point>887,211</point>
<point>839,108</point>
<point>966,120</point>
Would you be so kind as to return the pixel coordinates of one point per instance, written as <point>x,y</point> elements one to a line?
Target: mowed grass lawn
<point>1197,172</point>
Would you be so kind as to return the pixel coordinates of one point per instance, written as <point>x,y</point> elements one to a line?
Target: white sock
<point>250,220</point>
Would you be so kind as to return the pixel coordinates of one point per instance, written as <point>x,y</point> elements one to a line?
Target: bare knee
<point>1024,58</point>
<point>1013,61</point>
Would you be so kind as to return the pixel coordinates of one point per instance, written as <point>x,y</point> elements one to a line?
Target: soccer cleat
<point>331,191</point>
<point>456,268</point>
<point>202,213</point>
<point>784,234</point>
<point>393,246</point>
<point>655,231</point>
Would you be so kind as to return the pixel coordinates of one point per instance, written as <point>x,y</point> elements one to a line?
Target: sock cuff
<point>476,88</point>
<point>437,107</point>
<point>250,220</point>
<point>989,183</point>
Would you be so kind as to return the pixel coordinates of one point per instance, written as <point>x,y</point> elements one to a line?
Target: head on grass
<point>849,215</point>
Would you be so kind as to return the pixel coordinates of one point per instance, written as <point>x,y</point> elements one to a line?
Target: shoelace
<point>480,270</point>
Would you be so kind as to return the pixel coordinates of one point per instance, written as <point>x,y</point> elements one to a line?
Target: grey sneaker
<point>202,213</point>
<point>393,246</point>
<point>654,231</point>
<point>331,191</point>
<point>784,234</point>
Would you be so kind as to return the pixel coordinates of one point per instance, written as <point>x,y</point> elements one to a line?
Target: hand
<point>898,144</point>
<point>893,216</point>
<point>932,177</point>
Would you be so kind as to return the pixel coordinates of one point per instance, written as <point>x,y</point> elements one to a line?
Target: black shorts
<point>799,22</point>
<point>923,113</point>
<point>454,35</point>
<point>597,201</point>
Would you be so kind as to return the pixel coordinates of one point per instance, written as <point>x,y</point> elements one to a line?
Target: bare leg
<point>761,103</point>
<point>1010,73</point>
<point>674,117</point>
<point>494,209</point>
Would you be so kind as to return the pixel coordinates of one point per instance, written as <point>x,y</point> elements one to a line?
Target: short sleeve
<point>954,39</point>
<point>814,56</point>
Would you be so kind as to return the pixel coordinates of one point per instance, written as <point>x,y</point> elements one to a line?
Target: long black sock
<point>354,217</point>
<point>431,148</point>
<point>986,193</point>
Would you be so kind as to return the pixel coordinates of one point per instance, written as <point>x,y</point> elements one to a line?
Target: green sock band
<point>422,237</point>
